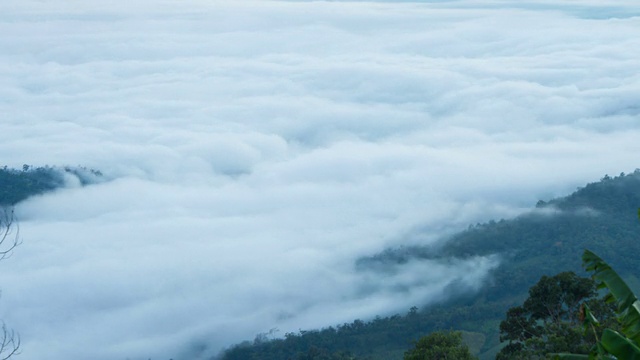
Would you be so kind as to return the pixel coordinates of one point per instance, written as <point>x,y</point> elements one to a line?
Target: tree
<point>9,340</point>
<point>622,343</point>
<point>440,346</point>
<point>549,319</point>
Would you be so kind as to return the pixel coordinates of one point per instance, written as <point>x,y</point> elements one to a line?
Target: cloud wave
<point>257,149</point>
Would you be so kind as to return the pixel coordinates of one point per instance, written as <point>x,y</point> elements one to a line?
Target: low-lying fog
<point>256,149</point>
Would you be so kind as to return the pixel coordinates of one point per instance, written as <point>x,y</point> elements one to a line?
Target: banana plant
<point>623,345</point>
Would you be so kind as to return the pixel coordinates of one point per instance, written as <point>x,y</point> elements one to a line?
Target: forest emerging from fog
<point>545,241</point>
<point>548,240</point>
<point>308,179</point>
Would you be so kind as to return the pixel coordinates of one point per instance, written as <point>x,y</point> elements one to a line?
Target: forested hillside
<point>17,185</point>
<point>601,216</point>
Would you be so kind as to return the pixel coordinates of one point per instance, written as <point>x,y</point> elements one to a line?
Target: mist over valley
<point>254,154</point>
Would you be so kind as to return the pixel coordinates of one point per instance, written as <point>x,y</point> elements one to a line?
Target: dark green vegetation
<point>17,185</point>
<point>551,319</point>
<point>623,341</point>
<point>440,346</point>
<point>601,217</point>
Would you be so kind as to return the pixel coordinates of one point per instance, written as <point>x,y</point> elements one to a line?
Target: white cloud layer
<point>258,148</point>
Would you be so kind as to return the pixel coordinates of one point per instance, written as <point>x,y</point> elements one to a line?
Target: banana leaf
<point>628,306</point>
<point>619,346</point>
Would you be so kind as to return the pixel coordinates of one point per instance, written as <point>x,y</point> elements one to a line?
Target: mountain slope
<point>602,217</point>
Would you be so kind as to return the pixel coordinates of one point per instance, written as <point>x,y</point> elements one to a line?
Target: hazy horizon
<point>256,149</point>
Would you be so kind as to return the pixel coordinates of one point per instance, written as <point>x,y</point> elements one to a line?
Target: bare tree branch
<point>9,240</point>
<point>9,343</point>
<point>9,232</point>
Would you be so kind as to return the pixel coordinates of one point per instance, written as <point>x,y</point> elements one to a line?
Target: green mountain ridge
<point>602,217</point>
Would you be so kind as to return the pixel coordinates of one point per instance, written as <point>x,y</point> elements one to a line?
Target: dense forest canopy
<point>18,184</point>
<point>543,242</point>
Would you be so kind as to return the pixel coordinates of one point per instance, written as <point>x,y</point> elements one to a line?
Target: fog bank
<point>256,149</point>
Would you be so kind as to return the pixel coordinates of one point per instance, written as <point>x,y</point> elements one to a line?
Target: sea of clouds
<point>256,149</point>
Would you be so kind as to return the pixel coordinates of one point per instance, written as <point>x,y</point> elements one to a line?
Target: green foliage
<point>558,298</point>
<point>618,345</point>
<point>440,346</point>
<point>549,320</point>
<point>18,185</point>
<point>628,306</point>
<point>622,345</point>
